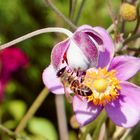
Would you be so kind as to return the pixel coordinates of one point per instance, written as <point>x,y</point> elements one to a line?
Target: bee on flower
<point>91,50</point>
<point>71,78</point>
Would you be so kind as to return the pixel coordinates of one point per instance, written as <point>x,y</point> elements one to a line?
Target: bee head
<point>60,72</point>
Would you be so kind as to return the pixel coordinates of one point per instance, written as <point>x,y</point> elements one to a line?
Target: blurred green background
<point>18,17</point>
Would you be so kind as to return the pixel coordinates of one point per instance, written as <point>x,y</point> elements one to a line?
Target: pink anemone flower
<point>92,50</point>
<point>11,60</point>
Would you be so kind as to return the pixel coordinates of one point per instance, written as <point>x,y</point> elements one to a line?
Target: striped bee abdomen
<point>80,89</point>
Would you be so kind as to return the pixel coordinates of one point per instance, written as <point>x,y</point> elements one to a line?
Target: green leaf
<point>10,124</point>
<point>17,109</point>
<point>43,127</point>
<point>72,135</point>
<point>35,137</point>
<point>11,87</point>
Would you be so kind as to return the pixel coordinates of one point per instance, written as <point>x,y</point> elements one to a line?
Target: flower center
<point>104,85</point>
<point>100,85</point>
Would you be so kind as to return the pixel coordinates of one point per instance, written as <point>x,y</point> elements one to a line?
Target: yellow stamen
<point>104,85</point>
<point>100,85</point>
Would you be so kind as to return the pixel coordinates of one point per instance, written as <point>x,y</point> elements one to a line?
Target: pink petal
<point>88,47</point>
<point>103,41</point>
<point>85,112</point>
<point>126,66</point>
<point>58,53</point>
<point>107,49</point>
<point>125,111</point>
<point>91,32</point>
<point>84,27</point>
<point>51,81</point>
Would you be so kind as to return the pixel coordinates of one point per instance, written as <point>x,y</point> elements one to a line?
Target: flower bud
<point>128,12</point>
<point>73,122</point>
<point>76,58</point>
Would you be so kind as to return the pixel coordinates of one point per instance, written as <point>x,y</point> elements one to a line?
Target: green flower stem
<point>52,6</point>
<point>110,129</point>
<point>72,7</point>
<point>41,31</point>
<point>93,127</point>
<point>122,46</point>
<point>35,33</point>
<point>61,116</point>
<point>119,133</point>
<point>98,127</point>
<point>102,133</point>
<point>135,36</point>
<point>126,134</point>
<point>112,27</point>
<point>10,133</point>
<point>79,11</point>
<point>36,104</point>
<point>138,19</point>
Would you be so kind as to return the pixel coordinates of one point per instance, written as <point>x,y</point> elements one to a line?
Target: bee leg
<point>82,79</point>
<point>77,73</point>
<point>67,94</point>
<point>83,76</point>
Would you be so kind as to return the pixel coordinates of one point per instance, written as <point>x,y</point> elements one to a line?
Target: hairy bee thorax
<point>73,79</point>
<point>67,75</point>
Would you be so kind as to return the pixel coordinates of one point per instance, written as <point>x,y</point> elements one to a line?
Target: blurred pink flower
<point>11,60</point>
<point>92,50</point>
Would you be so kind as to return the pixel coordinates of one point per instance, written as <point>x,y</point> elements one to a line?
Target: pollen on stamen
<point>104,85</point>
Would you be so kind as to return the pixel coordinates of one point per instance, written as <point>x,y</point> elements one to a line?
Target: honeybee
<point>70,78</point>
